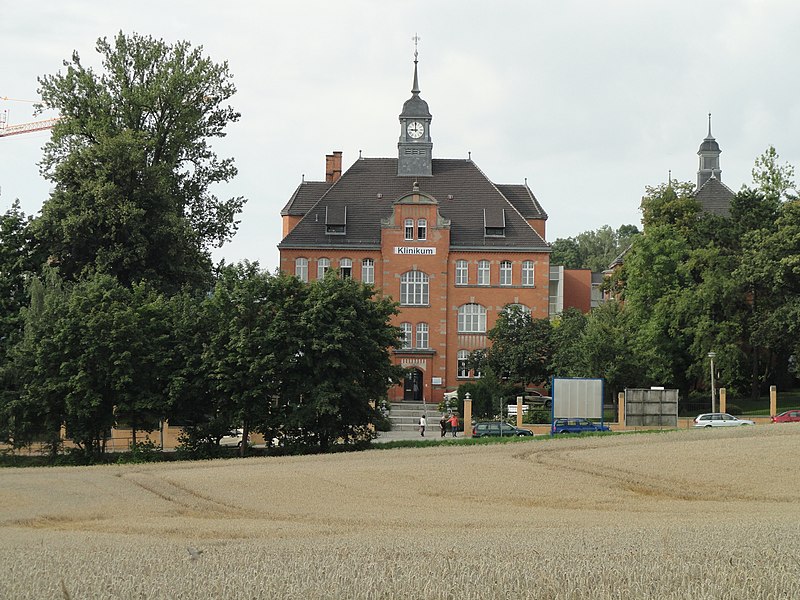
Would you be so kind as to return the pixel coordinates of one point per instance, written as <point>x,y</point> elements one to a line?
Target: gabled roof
<point>715,197</point>
<point>371,185</point>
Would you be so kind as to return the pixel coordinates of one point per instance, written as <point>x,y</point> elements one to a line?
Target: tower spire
<point>709,127</point>
<point>415,86</point>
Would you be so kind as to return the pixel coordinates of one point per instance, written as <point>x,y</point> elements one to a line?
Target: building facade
<point>436,235</point>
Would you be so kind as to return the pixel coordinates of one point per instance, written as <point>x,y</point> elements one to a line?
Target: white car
<point>720,420</point>
<point>234,439</point>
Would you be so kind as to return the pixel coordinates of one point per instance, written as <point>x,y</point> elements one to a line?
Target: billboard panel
<point>577,398</point>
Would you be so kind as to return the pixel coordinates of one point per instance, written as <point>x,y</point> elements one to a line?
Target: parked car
<point>789,416</point>
<point>535,398</point>
<point>234,438</point>
<point>497,428</point>
<point>577,425</point>
<point>720,420</point>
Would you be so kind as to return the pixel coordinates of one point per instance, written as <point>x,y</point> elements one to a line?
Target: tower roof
<point>709,143</point>
<point>415,106</point>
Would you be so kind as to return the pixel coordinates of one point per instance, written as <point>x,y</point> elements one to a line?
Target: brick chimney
<point>333,167</point>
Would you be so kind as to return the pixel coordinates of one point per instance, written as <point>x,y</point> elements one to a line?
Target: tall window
<point>483,272</point>
<point>414,288</point>
<point>301,268</point>
<point>405,329</point>
<point>409,229</point>
<point>462,272</point>
<point>368,270</point>
<point>345,268</point>
<point>422,335</point>
<point>463,369</point>
<point>471,318</point>
<point>323,264</point>
<point>422,229</point>
<point>505,272</point>
<point>527,272</point>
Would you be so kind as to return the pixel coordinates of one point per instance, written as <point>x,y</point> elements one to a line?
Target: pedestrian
<point>443,424</point>
<point>454,424</point>
<point>422,424</point>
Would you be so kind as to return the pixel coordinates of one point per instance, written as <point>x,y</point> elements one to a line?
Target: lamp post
<point>711,355</point>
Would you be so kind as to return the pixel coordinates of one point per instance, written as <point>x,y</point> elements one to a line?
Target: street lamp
<point>711,355</point>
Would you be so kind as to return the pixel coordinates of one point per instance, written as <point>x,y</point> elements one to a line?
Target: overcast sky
<point>590,101</point>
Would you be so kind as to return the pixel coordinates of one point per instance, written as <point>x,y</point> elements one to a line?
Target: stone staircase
<point>405,416</point>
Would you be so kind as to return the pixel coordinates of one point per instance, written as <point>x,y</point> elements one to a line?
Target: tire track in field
<point>644,484</point>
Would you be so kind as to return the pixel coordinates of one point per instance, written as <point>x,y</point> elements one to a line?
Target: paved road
<point>430,435</point>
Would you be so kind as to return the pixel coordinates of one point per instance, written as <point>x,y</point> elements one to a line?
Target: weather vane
<point>416,40</point>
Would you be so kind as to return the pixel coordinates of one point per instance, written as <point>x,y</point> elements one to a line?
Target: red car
<point>790,416</point>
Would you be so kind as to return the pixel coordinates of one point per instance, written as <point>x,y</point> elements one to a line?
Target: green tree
<point>593,250</point>
<point>132,166</point>
<point>775,181</point>
<point>521,350</point>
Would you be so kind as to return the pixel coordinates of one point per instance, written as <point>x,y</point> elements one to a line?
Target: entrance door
<point>412,386</point>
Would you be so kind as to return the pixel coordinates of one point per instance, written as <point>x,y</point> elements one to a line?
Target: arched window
<point>409,226</point>
<point>471,318</point>
<point>301,269</point>
<point>505,272</point>
<point>368,270</point>
<point>483,272</point>
<point>422,336</point>
<point>405,328</point>
<point>463,368</point>
<point>345,268</point>
<point>414,288</point>
<point>527,273</point>
<point>323,264</point>
<point>422,229</point>
<point>462,272</point>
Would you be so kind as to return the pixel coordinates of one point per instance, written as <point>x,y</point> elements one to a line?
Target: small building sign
<point>436,380</point>
<point>414,250</point>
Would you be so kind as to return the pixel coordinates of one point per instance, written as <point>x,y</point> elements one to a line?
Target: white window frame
<point>345,268</point>
<point>506,272</point>
<point>471,318</point>
<point>528,273</point>
<point>409,233</point>
<point>414,289</point>
<point>301,269</point>
<point>406,336</point>
<point>368,270</point>
<point>462,370</point>
<point>484,272</point>
<point>423,339</point>
<point>462,272</point>
<point>422,229</point>
<point>323,265</point>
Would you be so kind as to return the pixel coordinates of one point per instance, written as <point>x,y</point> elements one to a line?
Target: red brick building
<point>436,235</point>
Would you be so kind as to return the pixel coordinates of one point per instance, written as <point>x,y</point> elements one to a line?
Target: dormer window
<point>494,222</point>
<point>335,220</point>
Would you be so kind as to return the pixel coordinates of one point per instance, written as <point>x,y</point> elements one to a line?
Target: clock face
<point>416,129</point>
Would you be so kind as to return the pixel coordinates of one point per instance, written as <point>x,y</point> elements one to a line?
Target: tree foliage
<point>132,167</point>
<point>594,250</point>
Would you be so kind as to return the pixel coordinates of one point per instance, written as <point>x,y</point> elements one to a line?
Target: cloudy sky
<point>590,101</point>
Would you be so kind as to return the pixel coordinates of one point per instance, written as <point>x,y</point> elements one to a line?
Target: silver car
<point>720,420</point>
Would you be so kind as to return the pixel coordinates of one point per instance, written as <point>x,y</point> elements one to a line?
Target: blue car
<point>576,426</point>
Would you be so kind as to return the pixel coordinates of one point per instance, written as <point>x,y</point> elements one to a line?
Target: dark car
<point>577,426</point>
<point>790,416</point>
<point>497,429</point>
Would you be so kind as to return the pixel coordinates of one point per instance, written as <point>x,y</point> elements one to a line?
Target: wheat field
<point>681,514</point>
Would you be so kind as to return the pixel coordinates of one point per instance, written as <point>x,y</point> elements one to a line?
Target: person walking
<point>443,424</point>
<point>422,423</point>
<point>454,424</point>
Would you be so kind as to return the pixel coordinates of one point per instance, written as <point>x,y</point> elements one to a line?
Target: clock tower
<point>415,148</point>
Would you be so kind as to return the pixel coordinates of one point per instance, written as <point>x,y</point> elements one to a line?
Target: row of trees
<point>692,283</point>
<point>298,362</point>
<point>111,310</point>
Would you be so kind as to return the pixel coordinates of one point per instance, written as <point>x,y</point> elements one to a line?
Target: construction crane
<point>7,130</point>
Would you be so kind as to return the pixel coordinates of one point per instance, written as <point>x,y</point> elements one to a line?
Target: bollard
<point>621,409</point>
<point>773,400</point>
<point>519,411</point>
<point>467,416</point>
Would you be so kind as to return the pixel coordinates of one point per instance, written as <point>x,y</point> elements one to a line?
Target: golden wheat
<point>685,514</point>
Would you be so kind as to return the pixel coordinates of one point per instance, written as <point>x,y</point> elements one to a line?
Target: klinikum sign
<point>414,250</point>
